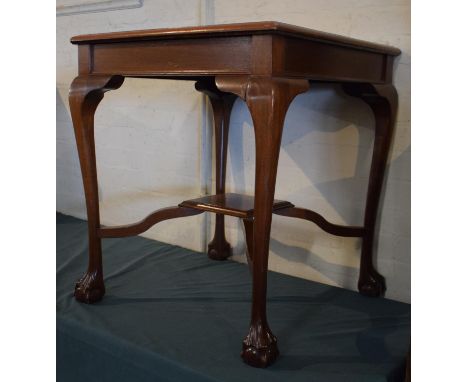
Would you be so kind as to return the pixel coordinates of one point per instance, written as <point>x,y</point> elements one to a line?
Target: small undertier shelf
<point>238,205</point>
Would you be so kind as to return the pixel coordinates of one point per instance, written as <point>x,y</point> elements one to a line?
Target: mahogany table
<point>266,64</point>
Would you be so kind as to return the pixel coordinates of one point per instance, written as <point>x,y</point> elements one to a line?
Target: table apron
<point>172,57</point>
<point>277,56</point>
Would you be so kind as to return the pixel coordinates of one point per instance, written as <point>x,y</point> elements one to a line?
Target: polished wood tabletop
<point>239,29</point>
<point>266,64</point>
<point>249,48</point>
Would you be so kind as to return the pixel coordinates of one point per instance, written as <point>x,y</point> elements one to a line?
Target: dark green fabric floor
<point>171,314</point>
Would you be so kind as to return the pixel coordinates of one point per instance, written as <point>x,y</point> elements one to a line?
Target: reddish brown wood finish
<point>170,57</point>
<point>314,60</point>
<point>264,48</point>
<point>383,100</point>
<point>238,29</point>
<point>266,64</point>
<point>268,100</point>
<point>334,229</point>
<point>146,223</point>
<point>221,103</point>
<point>238,205</point>
<point>85,94</point>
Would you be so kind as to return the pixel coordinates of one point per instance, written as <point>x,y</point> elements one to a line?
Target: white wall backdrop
<point>153,142</point>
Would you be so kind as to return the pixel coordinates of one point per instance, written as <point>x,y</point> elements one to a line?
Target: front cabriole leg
<point>268,99</point>
<point>85,94</point>
<point>383,100</point>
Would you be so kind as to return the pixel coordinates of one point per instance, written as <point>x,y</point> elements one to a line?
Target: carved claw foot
<point>260,348</point>
<point>219,250</point>
<point>90,288</point>
<point>371,284</point>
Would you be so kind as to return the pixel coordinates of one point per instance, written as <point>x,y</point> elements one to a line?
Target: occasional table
<point>267,64</point>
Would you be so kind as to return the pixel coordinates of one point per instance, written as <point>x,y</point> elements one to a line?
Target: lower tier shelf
<point>238,205</point>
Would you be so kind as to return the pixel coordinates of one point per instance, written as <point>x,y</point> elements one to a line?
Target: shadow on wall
<point>326,109</point>
<point>69,186</point>
<point>313,140</point>
<point>129,147</point>
<point>335,163</point>
<point>62,113</point>
<point>340,274</point>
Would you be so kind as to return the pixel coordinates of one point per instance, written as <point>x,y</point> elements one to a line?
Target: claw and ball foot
<point>219,249</point>
<point>259,348</point>
<point>86,92</point>
<point>268,99</point>
<point>371,284</point>
<point>383,101</point>
<point>90,288</point>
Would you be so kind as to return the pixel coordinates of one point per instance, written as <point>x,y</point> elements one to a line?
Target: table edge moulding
<point>266,64</point>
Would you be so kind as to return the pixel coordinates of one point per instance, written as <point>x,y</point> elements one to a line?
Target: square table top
<point>238,29</point>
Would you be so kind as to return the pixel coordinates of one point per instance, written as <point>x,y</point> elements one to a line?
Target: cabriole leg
<point>219,248</point>
<point>85,94</point>
<point>383,101</point>
<point>268,100</point>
